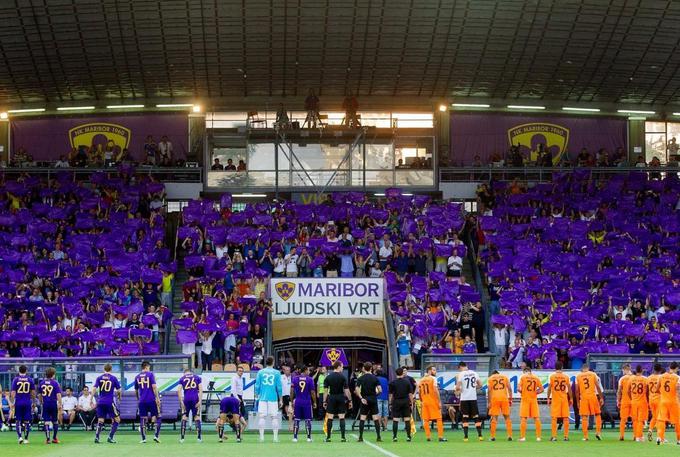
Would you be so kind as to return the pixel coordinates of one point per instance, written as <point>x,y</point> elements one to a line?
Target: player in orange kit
<point>590,400</point>
<point>669,388</point>
<point>654,397</point>
<point>623,402</point>
<point>428,390</point>
<point>500,401</point>
<point>529,387</point>
<point>639,402</point>
<point>559,399</point>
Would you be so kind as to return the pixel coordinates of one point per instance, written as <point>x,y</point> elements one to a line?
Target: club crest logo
<point>285,289</point>
<point>529,136</point>
<point>103,133</point>
<point>333,355</point>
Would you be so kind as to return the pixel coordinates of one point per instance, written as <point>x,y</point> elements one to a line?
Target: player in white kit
<point>467,383</point>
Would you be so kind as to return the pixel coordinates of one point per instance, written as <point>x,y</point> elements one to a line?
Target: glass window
<point>655,146</point>
<point>655,127</point>
<point>261,157</point>
<point>378,157</point>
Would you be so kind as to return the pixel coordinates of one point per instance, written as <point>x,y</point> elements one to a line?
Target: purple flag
<point>331,355</point>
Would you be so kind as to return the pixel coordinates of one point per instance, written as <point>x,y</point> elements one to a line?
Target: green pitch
<point>80,444</point>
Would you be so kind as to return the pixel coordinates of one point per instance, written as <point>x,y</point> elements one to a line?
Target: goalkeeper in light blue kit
<point>268,394</point>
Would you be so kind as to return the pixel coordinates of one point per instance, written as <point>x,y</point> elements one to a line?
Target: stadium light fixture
<point>674,114</point>
<point>527,107</point>
<point>470,105</point>
<point>4,115</point>
<point>26,110</point>
<point>196,108</point>
<point>380,194</point>
<point>249,195</point>
<point>75,108</point>
<point>587,110</point>
<point>442,108</point>
<point>634,111</point>
<point>175,105</point>
<point>124,106</point>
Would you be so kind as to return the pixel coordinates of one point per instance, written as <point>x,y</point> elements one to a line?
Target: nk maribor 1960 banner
<point>328,298</point>
<point>486,135</point>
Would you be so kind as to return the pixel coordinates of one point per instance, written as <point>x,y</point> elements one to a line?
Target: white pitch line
<point>377,448</point>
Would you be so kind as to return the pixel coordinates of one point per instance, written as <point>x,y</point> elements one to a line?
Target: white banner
<point>327,298</point>
<point>168,382</point>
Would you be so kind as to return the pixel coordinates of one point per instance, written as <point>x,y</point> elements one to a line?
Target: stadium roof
<point>611,51</point>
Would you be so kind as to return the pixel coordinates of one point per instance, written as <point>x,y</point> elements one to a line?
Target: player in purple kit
<point>190,393</point>
<point>108,387</point>
<point>21,399</point>
<point>303,397</point>
<point>230,408</point>
<point>149,401</point>
<point>50,397</point>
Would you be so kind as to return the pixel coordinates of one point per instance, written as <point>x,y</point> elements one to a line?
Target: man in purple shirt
<point>230,408</point>
<point>190,393</point>
<point>108,388</point>
<point>149,401</point>
<point>50,397</point>
<point>303,396</point>
<point>22,394</point>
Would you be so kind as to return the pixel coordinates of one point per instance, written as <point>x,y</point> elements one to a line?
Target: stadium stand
<point>81,264</point>
<point>583,264</point>
<point>410,241</point>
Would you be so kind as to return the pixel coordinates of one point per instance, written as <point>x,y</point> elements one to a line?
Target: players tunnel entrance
<point>320,351</point>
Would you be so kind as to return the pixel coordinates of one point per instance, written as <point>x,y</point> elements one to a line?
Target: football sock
<point>183,429</point>
<point>492,427</point>
<point>27,430</point>
<point>377,428</point>
<point>553,427</point>
<point>329,427</point>
<point>260,425</point>
<point>465,429</point>
<point>523,428</point>
<point>395,427</point>
<point>98,432</point>
<point>276,424</point>
<point>508,427</point>
<point>537,421</point>
<point>308,427</point>
<point>661,429</point>
<point>342,428</point>
<point>598,424</point>
<point>47,430</point>
<point>440,428</point>
<point>622,426</point>
<point>142,427</point>
<point>296,428</point>
<point>361,429</point>
<point>114,427</point>
<point>199,430</point>
<point>238,430</point>
<point>158,427</point>
<point>407,426</point>
<point>17,425</point>
<point>478,426</point>
<point>428,431</point>
<point>565,427</point>
<point>584,426</point>
<point>55,429</point>
<point>220,431</point>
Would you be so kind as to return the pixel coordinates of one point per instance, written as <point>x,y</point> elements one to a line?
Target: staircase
<point>180,278</point>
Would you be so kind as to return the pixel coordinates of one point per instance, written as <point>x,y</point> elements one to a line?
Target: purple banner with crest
<point>489,135</point>
<point>331,355</point>
<point>48,138</point>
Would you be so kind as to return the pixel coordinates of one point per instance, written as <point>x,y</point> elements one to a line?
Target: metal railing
<point>172,174</point>
<point>534,174</point>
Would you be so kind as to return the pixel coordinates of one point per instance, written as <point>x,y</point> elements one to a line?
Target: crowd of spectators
<point>411,242</point>
<point>582,264</point>
<point>229,166</point>
<point>101,155</point>
<point>84,268</point>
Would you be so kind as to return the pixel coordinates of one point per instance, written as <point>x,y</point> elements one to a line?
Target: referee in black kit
<point>368,389</point>
<point>401,399</point>
<point>336,393</point>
